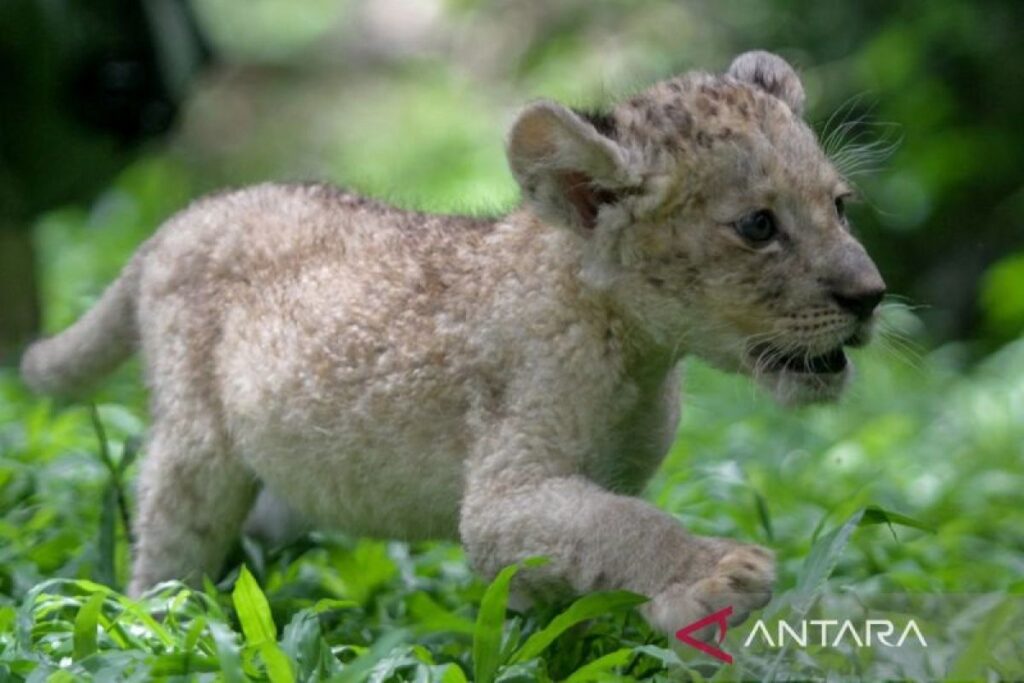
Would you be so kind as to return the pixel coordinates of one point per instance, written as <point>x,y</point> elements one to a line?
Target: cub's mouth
<point>767,358</point>
<point>798,375</point>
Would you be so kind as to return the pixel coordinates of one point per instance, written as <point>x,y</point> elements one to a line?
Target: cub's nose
<point>861,301</point>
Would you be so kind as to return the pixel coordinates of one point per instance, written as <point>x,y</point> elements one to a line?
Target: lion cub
<point>508,382</point>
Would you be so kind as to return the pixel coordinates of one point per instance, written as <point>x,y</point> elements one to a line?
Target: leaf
<point>8,618</point>
<point>510,638</point>
<point>817,568</point>
<point>181,664</point>
<point>227,653</point>
<point>600,666</point>
<point>359,573</point>
<point>328,604</point>
<point>398,664</point>
<point>667,657</point>
<point>195,631</point>
<point>86,622</point>
<point>210,592</point>
<point>489,622</point>
<point>874,514</point>
<point>524,672</point>
<point>535,561</point>
<point>137,611</point>
<point>587,607</point>
<point>433,618</point>
<point>253,610</point>
<point>101,437</point>
<point>816,532</point>
<point>821,561</point>
<point>764,515</point>
<point>113,504</point>
<point>129,452</point>
<point>357,670</point>
<point>279,667</point>
<point>106,539</point>
<point>301,641</point>
<point>130,606</point>
<point>450,673</point>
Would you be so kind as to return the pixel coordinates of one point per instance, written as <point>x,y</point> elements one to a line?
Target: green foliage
<point>489,623</point>
<point>258,627</point>
<point>587,607</point>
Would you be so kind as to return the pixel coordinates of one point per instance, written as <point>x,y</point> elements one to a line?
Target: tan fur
<point>508,382</point>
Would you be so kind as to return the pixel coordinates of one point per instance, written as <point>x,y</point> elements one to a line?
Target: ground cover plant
<point>912,485</point>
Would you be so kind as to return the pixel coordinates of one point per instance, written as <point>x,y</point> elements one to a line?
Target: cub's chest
<point>638,437</point>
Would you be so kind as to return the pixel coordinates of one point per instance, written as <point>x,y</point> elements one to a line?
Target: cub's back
<point>259,234</point>
<point>287,302</point>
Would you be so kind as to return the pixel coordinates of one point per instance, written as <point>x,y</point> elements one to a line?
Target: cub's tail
<point>93,346</point>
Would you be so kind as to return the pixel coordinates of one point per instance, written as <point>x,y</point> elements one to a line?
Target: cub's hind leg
<point>193,497</point>
<point>193,490</point>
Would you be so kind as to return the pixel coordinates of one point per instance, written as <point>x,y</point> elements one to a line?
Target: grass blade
<point>821,561</point>
<point>357,670</point>
<point>599,668</point>
<point>106,541</point>
<point>86,623</point>
<point>489,623</point>
<point>227,653</point>
<point>433,618</point>
<point>817,568</point>
<point>253,610</point>
<point>587,607</point>
<point>279,667</point>
<point>764,516</point>
<point>874,514</point>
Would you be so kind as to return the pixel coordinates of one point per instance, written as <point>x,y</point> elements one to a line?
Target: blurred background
<point>115,113</point>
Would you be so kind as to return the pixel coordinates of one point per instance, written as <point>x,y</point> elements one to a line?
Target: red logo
<point>720,618</point>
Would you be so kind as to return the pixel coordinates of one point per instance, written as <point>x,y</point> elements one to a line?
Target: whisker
<point>856,144</point>
<point>899,350</point>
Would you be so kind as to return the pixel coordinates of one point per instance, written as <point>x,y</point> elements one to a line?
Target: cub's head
<point>709,213</point>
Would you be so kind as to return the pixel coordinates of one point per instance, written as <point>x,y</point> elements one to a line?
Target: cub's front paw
<point>742,579</point>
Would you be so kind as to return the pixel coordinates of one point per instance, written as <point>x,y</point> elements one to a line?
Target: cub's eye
<point>841,208</point>
<point>758,227</point>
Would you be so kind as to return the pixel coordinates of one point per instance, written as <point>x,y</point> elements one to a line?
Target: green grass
<point>839,492</point>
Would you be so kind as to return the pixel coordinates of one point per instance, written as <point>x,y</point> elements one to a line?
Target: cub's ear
<point>771,73</point>
<point>566,168</point>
